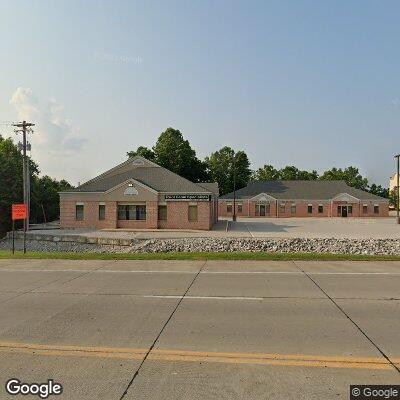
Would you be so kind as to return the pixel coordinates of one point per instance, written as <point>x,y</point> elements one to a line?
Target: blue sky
<point>305,83</point>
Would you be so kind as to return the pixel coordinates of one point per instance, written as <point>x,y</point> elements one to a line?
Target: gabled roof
<point>144,171</point>
<point>305,190</point>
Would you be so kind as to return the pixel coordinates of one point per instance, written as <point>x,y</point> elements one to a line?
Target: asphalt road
<point>199,330</point>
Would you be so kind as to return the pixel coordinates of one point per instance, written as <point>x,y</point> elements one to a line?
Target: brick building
<point>282,199</point>
<point>139,194</point>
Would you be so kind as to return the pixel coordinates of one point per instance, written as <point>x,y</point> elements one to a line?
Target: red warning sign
<point>19,211</point>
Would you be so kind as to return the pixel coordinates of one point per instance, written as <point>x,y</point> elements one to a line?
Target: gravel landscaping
<point>280,245</point>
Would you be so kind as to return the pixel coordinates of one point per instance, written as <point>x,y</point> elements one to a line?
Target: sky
<point>314,84</point>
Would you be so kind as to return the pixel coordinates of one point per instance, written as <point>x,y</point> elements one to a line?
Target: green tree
<point>393,198</point>
<point>292,173</point>
<point>144,152</point>
<point>45,201</point>
<point>173,152</point>
<point>379,190</point>
<point>350,175</point>
<point>266,173</point>
<point>222,166</point>
<point>44,191</point>
<point>10,181</point>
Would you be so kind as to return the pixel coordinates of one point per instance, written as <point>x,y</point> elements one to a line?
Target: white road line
<point>201,297</point>
<point>202,273</point>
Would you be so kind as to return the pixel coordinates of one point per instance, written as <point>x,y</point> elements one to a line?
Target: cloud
<point>53,133</point>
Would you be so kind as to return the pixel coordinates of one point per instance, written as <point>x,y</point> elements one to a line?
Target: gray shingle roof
<point>156,177</point>
<point>293,190</point>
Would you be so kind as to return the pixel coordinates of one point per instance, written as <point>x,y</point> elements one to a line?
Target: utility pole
<point>234,186</point>
<point>398,188</point>
<point>24,128</point>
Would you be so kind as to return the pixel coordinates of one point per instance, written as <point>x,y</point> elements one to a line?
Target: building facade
<point>285,199</point>
<point>139,194</point>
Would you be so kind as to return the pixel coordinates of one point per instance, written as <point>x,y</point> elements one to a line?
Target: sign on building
<point>190,197</point>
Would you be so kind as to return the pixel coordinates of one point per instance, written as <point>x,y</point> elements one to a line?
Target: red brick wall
<point>302,209</point>
<point>91,215</point>
<point>178,216</point>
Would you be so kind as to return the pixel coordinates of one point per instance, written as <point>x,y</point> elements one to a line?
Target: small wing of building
<point>302,199</point>
<point>139,194</point>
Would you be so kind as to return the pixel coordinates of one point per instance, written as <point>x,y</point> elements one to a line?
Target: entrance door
<point>344,211</point>
<point>262,210</point>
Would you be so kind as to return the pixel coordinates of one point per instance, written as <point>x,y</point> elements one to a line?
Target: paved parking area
<point>200,330</point>
<point>379,228</point>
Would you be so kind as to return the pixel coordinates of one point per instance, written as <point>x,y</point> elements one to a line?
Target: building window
<point>79,212</point>
<point>192,213</point>
<point>309,208</point>
<point>365,209</point>
<point>339,210</point>
<point>162,213</point>
<point>240,208</point>
<point>293,209</point>
<point>350,209</point>
<point>228,207</point>
<point>267,208</point>
<point>102,212</point>
<point>376,209</point>
<point>131,212</point>
<point>282,208</point>
<point>320,209</point>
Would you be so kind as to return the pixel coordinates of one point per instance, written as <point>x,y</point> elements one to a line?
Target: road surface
<point>199,330</point>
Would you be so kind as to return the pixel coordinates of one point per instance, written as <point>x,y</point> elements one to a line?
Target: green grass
<point>198,256</point>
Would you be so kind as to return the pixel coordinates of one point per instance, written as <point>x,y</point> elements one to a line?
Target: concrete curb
<point>73,239</point>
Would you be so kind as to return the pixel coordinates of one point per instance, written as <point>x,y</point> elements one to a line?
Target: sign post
<point>19,211</point>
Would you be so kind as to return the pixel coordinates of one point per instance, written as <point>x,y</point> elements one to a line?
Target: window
<point>282,208</point>
<point>192,213</point>
<point>79,212</point>
<point>240,208</point>
<point>131,212</point>
<point>267,208</point>
<point>102,212</point>
<point>229,207</point>
<point>162,213</point>
<point>309,208</point>
<point>339,210</point>
<point>293,209</point>
<point>320,209</point>
<point>350,209</point>
<point>376,209</point>
<point>365,209</point>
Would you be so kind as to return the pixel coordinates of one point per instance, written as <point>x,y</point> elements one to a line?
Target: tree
<point>44,191</point>
<point>269,173</point>
<point>291,173</point>
<point>173,152</point>
<point>45,201</point>
<point>144,152</point>
<point>223,163</point>
<point>393,198</point>
<point>266,173</point>
<point>379,190</point>
<point>350,175</point>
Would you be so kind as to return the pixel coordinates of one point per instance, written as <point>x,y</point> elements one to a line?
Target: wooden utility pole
<point>398,189</point>
<point>24,128</point>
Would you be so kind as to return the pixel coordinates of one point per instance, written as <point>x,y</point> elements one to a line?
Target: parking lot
<point>200,330</point>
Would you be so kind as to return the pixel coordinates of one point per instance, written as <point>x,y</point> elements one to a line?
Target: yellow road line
<point>298,360</point>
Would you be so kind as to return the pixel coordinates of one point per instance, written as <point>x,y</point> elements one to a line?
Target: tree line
<point>45,201</point>
<point>175,153</point>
